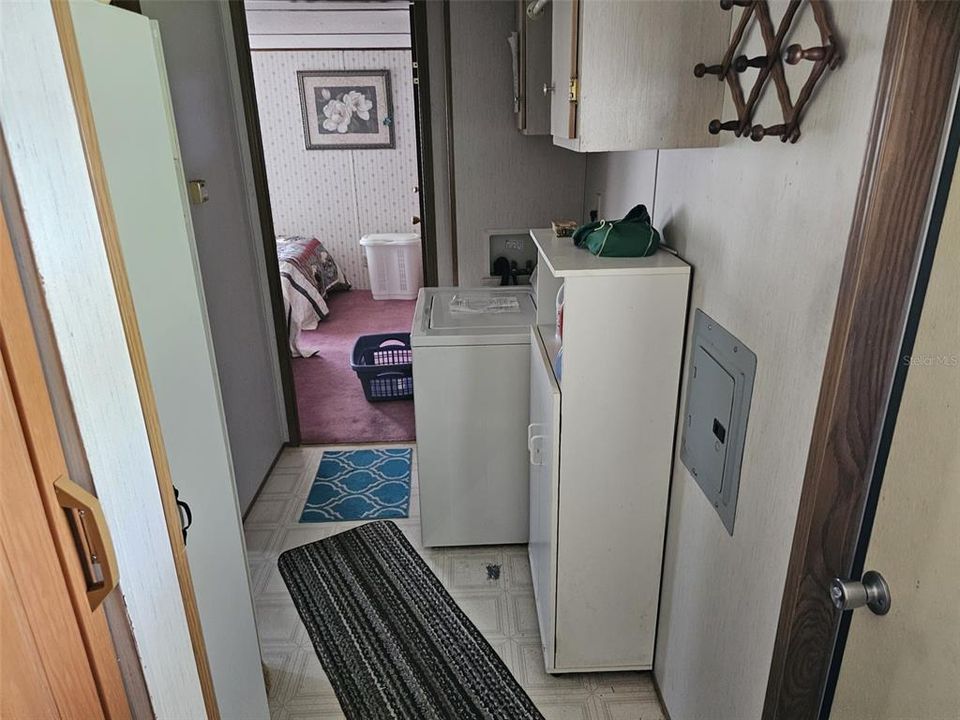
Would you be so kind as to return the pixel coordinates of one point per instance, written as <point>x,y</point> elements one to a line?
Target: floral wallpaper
<point>336,195</point>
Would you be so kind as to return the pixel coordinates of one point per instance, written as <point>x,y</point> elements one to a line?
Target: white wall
<point>502,179</point>
<point>765,226</point>
<point>336,195</point>
<point>617,181</point>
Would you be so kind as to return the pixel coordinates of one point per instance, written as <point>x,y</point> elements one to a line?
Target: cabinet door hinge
<point>574,90</point>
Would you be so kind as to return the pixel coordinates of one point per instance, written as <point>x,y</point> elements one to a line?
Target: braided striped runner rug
<point>391,640</point>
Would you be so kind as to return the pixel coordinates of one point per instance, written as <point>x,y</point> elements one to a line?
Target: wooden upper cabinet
<point>623,73</point>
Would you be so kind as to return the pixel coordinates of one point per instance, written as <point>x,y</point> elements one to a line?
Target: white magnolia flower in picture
<point>358,104</point>
<point>337,116</point>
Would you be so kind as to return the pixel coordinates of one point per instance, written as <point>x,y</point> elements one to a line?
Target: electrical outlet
<point>594,212</point>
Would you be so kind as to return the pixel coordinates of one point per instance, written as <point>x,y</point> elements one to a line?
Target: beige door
<point>906,664</point>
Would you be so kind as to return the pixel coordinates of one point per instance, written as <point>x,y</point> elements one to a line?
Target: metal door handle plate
<point>871,591</point>
<point>92,527</point>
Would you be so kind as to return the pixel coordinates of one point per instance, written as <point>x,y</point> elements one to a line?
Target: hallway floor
<point>502,608</point>
<point>330,399</point>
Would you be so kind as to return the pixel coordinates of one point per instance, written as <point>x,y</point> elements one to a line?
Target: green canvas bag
<point>631,236</point>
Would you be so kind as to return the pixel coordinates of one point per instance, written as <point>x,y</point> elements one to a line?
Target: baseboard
<point>663,704</point>
<point>263,482</point>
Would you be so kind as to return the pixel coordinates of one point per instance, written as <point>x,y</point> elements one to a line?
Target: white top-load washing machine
<point>471,384</point>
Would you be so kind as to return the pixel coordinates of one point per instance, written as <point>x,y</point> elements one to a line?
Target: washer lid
<point>465,316</point>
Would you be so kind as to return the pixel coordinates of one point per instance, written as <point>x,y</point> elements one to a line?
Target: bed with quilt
<point>308,274</point>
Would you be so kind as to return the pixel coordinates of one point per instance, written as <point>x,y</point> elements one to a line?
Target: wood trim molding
<point>421,103</point>
<point>450,163</point>
<point>910,119</point>
<point>111,241</point>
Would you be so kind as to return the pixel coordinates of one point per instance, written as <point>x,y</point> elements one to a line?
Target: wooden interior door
<point>905,664</point>
<point>56,656</point>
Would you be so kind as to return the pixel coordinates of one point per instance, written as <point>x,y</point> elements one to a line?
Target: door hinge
<point>574,90</point>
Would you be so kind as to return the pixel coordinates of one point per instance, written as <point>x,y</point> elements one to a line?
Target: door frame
<point>941,193</point>
<point>418,49</point>
<point>882,282</point>
<point>248,96</point>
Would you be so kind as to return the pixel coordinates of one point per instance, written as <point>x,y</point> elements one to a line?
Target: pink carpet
<point>330,398</point>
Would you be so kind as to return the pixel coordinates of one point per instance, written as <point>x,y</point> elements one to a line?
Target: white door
<point>126,81</point>
<point>906,664</point>
<point>229,248</point>
<point>543,444</point>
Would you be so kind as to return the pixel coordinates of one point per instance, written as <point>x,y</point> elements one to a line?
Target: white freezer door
<point>543,445</point>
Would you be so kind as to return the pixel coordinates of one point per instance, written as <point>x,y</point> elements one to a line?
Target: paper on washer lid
<point>442,320</point>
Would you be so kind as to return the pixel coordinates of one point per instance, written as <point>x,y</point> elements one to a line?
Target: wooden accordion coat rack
<point>826,55</point>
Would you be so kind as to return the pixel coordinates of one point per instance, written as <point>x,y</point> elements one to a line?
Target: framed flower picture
<point>346,109</point>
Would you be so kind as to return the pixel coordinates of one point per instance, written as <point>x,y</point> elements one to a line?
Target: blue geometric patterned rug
<point>360,485</point>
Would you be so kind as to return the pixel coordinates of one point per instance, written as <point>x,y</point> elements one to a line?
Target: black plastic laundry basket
<point>384,364</point>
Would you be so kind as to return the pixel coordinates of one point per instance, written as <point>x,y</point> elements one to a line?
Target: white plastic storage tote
<point>395,265</point>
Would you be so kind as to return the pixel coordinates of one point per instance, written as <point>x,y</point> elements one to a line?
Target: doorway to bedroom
<point>337,103</point>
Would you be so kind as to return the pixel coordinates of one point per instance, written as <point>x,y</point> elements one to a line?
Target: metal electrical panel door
<point>719,388</point>
<point>708,416</point>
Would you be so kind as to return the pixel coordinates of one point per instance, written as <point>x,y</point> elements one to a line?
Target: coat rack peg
<point>770,67</point>
<point>700,70</point>
<point>795,53</point>
<point>715,126</point>
<point>759,132</point>
<point>742,62</point>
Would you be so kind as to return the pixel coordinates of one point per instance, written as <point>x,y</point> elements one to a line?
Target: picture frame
<point>347,109</point>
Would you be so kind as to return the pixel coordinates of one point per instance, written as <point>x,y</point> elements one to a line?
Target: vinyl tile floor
<point>500,604</point>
